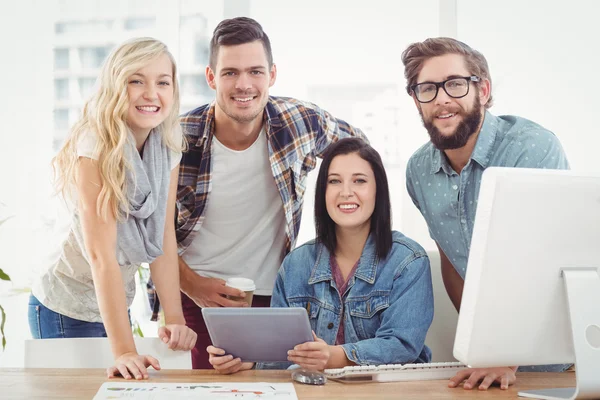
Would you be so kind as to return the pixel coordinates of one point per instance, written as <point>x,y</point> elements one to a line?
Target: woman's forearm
<point>110,293</point>
<point>165,275</point>
<point>100,238</point>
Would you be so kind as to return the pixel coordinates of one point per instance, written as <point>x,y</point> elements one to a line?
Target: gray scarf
<point>140,236</point>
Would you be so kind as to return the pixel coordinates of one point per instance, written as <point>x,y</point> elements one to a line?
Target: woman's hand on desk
<point>129,364</point>
<point>177,336</point>
<point>311,355</point>
<point>225,363</point>
<point>504,376</point>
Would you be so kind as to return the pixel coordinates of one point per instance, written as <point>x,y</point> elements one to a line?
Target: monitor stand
<point>582,285</point>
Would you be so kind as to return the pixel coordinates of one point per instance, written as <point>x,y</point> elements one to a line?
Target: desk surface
<point>84,383</point>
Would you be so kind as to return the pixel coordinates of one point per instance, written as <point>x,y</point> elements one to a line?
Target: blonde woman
<point>119,167</point>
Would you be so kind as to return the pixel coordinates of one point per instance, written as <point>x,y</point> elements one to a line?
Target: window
<point>194,91</point>
<point>61,128</point>
<point>61,89</point>
<point>61,59</point>
<point>61,119</point>
<point>86,87</point>
<point>139,23</point>
<point>201,50</point>
<point>194,85</point>
<point>82,27</point>
<point>92,57</point>
<point>193,40</point>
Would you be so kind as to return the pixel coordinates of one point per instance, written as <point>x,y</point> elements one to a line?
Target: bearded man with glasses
<point>451,86</point>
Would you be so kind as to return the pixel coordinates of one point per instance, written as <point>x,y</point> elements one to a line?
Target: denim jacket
<point>388,305</point>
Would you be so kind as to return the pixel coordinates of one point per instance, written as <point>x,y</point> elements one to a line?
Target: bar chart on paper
<point>209,391</point>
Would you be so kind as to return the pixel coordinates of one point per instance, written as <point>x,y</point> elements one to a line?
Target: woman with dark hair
<point>367,289</point>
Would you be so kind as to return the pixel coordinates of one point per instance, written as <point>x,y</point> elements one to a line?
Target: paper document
<point>172,391</point>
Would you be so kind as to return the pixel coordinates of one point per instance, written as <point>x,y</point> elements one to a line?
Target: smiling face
<point>449,121</point>
<point>150,92</point>
<point>242,78</point>
<point>350,192</point>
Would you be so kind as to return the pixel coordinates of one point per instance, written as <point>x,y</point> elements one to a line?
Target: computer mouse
<point>309,377</point>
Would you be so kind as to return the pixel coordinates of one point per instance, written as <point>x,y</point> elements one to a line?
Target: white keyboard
<point>395,372</point>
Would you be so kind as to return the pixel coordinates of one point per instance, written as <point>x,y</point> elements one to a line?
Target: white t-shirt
<point>243,233</point>
<point>67,287</point>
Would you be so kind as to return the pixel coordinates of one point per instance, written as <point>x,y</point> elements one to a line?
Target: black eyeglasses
<point>454,87</point>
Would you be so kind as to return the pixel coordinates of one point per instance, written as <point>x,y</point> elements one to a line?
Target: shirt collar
<point>271,118</point>
<point>481,153</point>
<point>437,158</point>
<point>209,126</point>
<point>366,270</point>
<point>484,148</point>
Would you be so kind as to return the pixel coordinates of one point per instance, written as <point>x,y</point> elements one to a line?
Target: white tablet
<point>257,334</point>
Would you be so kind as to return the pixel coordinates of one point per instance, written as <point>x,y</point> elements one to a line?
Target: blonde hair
<point>416,54</point>
<point>104,116</point>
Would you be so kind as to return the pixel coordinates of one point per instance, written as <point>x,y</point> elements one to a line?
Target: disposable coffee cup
<point>247,285</point>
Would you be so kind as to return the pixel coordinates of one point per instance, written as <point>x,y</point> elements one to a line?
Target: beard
<point>465,129</point>
<point>239,117</point>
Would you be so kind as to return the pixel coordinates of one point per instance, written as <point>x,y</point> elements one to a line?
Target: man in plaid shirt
<point>242,180</point>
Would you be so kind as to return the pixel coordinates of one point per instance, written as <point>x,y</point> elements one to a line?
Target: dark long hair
<point>381,219</point>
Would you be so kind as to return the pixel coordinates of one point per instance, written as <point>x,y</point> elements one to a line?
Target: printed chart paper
<point>209,391</point>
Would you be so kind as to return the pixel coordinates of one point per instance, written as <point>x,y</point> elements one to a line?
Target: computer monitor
<point>532,287</point>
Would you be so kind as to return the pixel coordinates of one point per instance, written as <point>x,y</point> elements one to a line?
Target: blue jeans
<point>47,324</point>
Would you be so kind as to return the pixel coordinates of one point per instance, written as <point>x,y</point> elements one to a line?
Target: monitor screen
<point>530,226</point>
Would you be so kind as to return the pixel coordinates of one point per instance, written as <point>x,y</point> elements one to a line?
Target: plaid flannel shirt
<point>297,132</point>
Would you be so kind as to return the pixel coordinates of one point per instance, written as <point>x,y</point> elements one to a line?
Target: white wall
<point>26,115</point>
<point>544,58</point>
<point>25,138</point>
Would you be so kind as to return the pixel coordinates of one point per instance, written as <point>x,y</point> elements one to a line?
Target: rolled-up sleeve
<point>331,129</point>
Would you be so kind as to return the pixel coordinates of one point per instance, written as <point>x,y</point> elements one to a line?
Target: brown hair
<point>235,31</point>
<point>417,53</point>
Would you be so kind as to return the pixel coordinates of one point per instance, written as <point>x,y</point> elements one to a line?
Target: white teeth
<point>244,99</point>
<point>446,116</point>
<point>148,109</point>
<point>348,206</point>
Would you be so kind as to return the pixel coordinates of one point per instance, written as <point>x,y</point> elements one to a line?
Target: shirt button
<point>455,187</point>
<point>463,221</point>
<point>330,325</point>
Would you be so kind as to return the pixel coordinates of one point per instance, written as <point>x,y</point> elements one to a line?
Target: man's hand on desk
<point>129,364</point>
<point>505,376</point>
<point>210,292</point>
<point>225,363</point>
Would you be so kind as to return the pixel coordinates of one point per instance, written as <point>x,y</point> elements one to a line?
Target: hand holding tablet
<point>257,334</point>
<point>242,336</point>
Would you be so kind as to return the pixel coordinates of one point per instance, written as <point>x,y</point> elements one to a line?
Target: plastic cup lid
<point>241,283</point>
